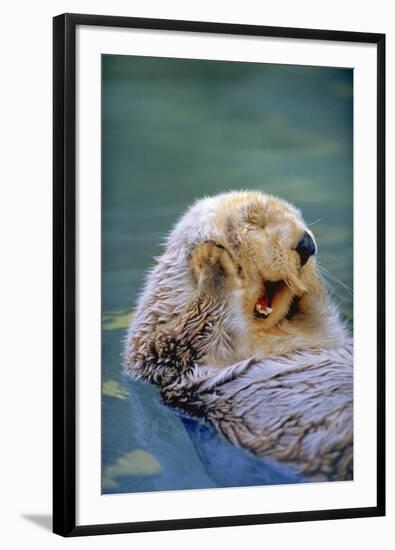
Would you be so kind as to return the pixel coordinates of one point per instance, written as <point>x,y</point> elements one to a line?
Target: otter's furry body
<point>284,388</point>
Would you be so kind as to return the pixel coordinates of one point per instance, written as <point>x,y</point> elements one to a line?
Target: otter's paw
<point>214,270</point>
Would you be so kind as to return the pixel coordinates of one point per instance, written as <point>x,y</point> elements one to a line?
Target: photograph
<point>195,217</point>
<point>226,274</point>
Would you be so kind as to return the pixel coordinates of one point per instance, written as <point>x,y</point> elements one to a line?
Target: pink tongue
<point>263,301</point>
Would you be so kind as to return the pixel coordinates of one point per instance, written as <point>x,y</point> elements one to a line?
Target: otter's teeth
<point>265,310</point>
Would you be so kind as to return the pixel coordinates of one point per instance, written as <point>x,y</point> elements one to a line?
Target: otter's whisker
<point>294,286</point>
<point>328,284</point>
<point>314,222</point>
<point>336,280</point>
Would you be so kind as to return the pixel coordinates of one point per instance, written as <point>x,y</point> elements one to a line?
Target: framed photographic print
<point>218,274</point>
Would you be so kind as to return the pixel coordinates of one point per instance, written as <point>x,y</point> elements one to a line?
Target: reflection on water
<point>173,131</point>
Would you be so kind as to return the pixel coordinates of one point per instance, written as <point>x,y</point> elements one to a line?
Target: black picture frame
<point>64,273</point>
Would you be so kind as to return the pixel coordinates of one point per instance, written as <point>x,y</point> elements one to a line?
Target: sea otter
<point>236,326</point>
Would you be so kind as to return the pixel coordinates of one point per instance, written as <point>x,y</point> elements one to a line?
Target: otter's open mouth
<point>263,306</point>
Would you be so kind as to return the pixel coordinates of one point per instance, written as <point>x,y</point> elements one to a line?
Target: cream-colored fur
<point>258,234</point>
<point>281,386</point>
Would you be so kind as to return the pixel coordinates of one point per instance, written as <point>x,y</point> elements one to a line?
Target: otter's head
<point>273,249</point>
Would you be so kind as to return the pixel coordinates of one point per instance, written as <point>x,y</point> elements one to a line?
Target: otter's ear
<point>255,213</point>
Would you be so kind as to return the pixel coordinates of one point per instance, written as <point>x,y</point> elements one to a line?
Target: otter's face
<point>275,251</point>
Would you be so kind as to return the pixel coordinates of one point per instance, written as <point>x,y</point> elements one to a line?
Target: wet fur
<point>194,334</point>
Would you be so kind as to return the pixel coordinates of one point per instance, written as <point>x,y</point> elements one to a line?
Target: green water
<point>173,131</point>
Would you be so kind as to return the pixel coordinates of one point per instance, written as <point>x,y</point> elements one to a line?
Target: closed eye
<point>251,227</point>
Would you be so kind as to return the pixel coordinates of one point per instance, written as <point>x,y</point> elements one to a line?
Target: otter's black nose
<point>305,248</point>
